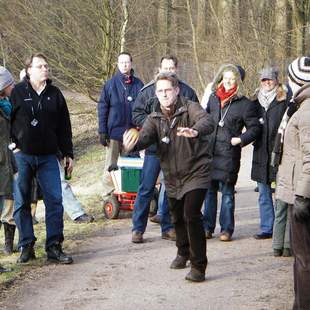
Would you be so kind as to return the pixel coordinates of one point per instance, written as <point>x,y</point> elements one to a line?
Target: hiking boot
<point>84,218</point>
<point>225,236</point>
<point>277,252</point>
<point>9,232</point>
<point>137,237</point>
<point>3,269</point>
<point>287,252</point>
<point>155,219</point>
<point>208,234</point>
<point>169,235</point>
<point>55,254</point>
<point>262,236</point>
<point>27,253</point>
<point>179,262</point>
<point>195,275</point>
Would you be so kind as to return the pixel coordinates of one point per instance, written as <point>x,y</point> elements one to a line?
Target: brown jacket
<point>294,172</point>
<point>185,161</point>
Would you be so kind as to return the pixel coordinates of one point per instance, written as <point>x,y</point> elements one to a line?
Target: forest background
<point>82,38</point>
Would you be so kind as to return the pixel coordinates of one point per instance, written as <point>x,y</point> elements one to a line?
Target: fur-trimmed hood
<point>219,77</point>
<point>282,93</point>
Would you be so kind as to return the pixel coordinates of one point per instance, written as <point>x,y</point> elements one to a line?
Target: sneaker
<point>287,252</point>
<point>195,275</point>
<point>179,262</point>
<point>27,253</point>
<point>155,219</point>
<point>169,235</point>
<point>137,237</point>
<point>262,236</point>
<point>208,234</point>
<point>55,254</point>
<point>277,252</point>
<point>225,236</point>
<point>84,218</point>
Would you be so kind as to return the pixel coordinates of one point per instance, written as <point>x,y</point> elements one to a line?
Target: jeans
<point>187,219</point>
<point>227,213</point>
<point>266,210</point>
<point>150,172</point>
<point>281,226</point>
<point>46,168</point>
<point>71,205</point>
<point>163,209</point>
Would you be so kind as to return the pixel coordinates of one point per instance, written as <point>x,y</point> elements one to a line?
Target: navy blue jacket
<point>115,105</point>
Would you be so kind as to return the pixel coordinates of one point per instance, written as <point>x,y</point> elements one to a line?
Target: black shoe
<point>84,218</point>
<point>208,234</point>
<point>9,232</point>
<point>55,254</point>
<point>277,252</point>
<point>287,252</point>
<point>262,236</point>
<point>195,276</point>
<point>3,269</point>
<point>179,262</point>
<point>27,253</point>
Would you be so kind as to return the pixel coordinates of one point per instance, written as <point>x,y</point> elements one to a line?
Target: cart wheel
<point>154,203</point>
<point>111,207</point>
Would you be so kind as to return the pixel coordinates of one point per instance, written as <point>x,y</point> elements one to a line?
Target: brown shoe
<point>208,234</point>
<point>137,237</point>
<point>169,235</point>
<point>155,219</point>
<point>195,275</point>
<point>225,236</point>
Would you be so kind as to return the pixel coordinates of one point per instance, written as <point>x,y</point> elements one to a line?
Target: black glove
<point>104,139</point>
<point>301,209</point>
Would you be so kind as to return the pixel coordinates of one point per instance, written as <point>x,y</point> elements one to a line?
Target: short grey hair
<point>168,76</point>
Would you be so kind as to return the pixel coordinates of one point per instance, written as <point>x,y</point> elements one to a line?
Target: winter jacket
<point>185,161</point>
<point>293,177</point>
<point>240,113</point>
<point>262,171</point>
<point>115,105</point>
<point>6,167</point>
<point>147,102</point>
<point>40,123</point>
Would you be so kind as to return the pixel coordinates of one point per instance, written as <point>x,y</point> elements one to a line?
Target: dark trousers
<point>187,219</point>
<point>300,244</point>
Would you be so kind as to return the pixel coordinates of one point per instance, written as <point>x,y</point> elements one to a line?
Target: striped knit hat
<point>299,71</point>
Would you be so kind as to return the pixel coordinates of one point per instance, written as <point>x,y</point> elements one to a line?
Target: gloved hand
<point>104,139</point>
<point>301,209</point>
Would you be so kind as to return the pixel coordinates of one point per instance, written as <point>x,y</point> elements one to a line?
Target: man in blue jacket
<point>114,113</point>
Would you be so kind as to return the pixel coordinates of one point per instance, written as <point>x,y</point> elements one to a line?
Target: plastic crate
<point>130,179</point>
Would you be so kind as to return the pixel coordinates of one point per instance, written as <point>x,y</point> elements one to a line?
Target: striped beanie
<point>299,71</point>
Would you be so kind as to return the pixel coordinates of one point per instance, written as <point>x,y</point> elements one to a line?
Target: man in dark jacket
<point>114,113</point>
<point>231,112</point>
<point>272,100</point>
<point>40,128</point>
<point>145,104</point>
<point>180,128</point>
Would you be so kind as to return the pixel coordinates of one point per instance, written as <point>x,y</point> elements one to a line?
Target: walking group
<point>194,148</point>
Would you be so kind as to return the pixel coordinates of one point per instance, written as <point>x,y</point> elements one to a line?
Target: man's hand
<point>69,164</point>
<point>130,139</point>
<point>104,139</point>
<point>187,132</point>
<point>235,141</point>
<point>301,209</point>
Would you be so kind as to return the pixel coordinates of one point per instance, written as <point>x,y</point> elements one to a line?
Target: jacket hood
<point>282,92</point>
<point>302,94</point>
<point>219,77</point>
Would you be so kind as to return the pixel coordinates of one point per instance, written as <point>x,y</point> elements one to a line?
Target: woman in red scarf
<point>231,111</point>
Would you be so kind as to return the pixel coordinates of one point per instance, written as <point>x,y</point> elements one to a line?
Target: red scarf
<point>224,95</point>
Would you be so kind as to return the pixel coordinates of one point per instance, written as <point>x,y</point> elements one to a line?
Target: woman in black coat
<point>231,112</point>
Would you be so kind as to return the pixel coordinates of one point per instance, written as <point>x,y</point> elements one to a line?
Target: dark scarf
<point>6,107</point>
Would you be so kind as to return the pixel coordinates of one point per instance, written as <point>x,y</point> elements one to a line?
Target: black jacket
<point>262,171</point>
<point>226,157</point>
<point>52,131</point>
<point>147,102</point>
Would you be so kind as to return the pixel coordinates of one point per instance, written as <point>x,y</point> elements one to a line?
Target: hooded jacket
<point>262,171</point>
<point>185,161</point>
<point>115,105</point>
<point>239,112</point>
<point>293,177</point>
<point>40,123</point>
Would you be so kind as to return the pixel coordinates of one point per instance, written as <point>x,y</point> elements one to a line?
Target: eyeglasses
<point>41,66</point>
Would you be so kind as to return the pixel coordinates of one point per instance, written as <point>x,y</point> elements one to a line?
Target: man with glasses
<point>40,128</point>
